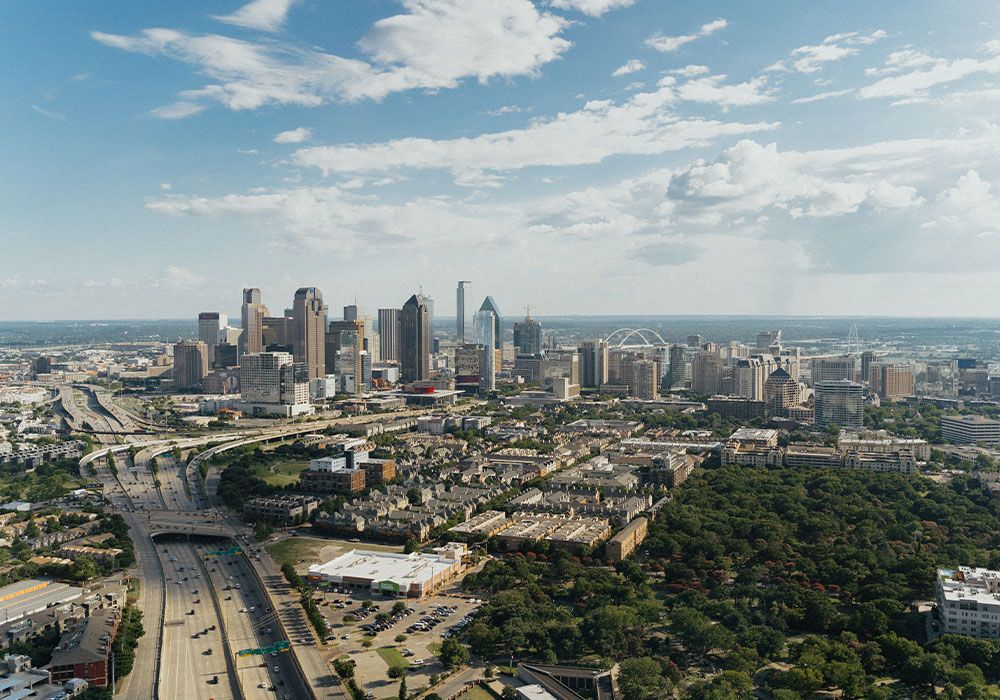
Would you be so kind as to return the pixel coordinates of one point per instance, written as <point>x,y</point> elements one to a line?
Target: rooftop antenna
<point>527,312</point>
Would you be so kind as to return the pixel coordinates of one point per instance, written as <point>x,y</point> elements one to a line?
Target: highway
<point>194,664</point>
<point>173,662</point>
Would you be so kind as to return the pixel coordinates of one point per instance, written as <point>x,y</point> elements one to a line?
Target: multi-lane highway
<point>195,664</point>
<point>191,602</point>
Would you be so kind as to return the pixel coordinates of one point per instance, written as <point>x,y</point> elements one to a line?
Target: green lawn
<point>434,648</point>
<point>307,549</point>
<point>477,693</point>
<point>283,473</point>
<point>393,658</point>
<point>293,549</point>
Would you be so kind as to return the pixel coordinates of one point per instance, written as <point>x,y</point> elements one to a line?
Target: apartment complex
<point>621,546</point>
<point>969,601</point>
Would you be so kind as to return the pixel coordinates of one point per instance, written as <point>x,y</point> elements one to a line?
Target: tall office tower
<point>389,334</point>
<point>353,312</point>
<point>253,314</point>
<point>867,359</point>
<point>272,383</point>
<point>661,353</point>
<point>694,341</point>
<point>677,375</point>
<point>309,343</point>
<point>765,339</point>
<point>839,402</point>
<point>890,381</point>
<point>706,372</point>
<point>593,362</point>
<point>190,364</point>
<point>460,318</point>
<point>490,305</point>
<point>781,392</point>
<point>277,333</point>
<point>415,340</point>
<point>209,325</point>
<point>829,369</point>
<point>528,336</point>
<point>485,323</point>
<point>468,367</point>
<point>345,344</point>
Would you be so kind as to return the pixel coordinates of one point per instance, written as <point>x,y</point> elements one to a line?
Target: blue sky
<point>581,156</point>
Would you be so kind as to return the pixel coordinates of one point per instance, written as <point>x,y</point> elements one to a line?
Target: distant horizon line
<point>555,316</point>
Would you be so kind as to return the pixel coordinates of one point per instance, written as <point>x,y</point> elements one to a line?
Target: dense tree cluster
<point>775,581</point>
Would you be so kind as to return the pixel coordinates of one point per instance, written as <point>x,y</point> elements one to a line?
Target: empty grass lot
<point>393,658</point>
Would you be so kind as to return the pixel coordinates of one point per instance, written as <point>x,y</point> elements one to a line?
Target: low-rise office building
<point>971,429</point>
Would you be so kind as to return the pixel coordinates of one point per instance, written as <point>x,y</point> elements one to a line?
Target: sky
<point>577,156</point>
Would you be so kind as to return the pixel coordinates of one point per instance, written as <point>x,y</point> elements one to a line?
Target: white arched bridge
<point>624,335</point>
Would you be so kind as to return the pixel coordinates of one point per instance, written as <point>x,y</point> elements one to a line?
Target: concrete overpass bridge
<point>199,523</point>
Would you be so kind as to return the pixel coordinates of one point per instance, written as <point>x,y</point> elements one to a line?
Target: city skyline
<point>705,159</point>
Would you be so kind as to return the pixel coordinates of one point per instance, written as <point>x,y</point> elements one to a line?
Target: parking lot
<point>366,630</point>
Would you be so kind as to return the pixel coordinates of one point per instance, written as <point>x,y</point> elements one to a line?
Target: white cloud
<point>265,15</point>
<point>506,109</point>
<point>691,71</point>
<point>821,96</point>
<point>593,8</point>
<point>712,90</point>
<point>642,125</point>
<point>294,135</point>
<point>166,186</point>
<point>971,204</point>
<point>910,74</point>
<point>633,66</point>
<point>178,110</point>
<point>814,209</point>
<point>901,60</point>
<point>668,44</point>
<point>810,58</point>
<point>434,45</point>
<point>180,278</point>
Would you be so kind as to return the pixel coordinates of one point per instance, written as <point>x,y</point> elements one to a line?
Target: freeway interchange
<point>200,610</point>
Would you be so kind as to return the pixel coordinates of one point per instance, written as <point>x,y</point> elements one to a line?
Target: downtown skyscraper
<point>415,340</point>
<point>309,330</point>
<point>460,317</point>
<point>254,312</point>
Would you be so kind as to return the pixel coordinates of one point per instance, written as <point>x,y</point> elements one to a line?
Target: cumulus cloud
<point>645,124</point>
<point>433,45</point>
<point>819,206</point>
<point>593,8</point>
<point>294,135</point>
<point>810,58</point>
<point>713,90</point>
<point>632,66</point>
<point>264,15</point>
<point>669,44</point>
